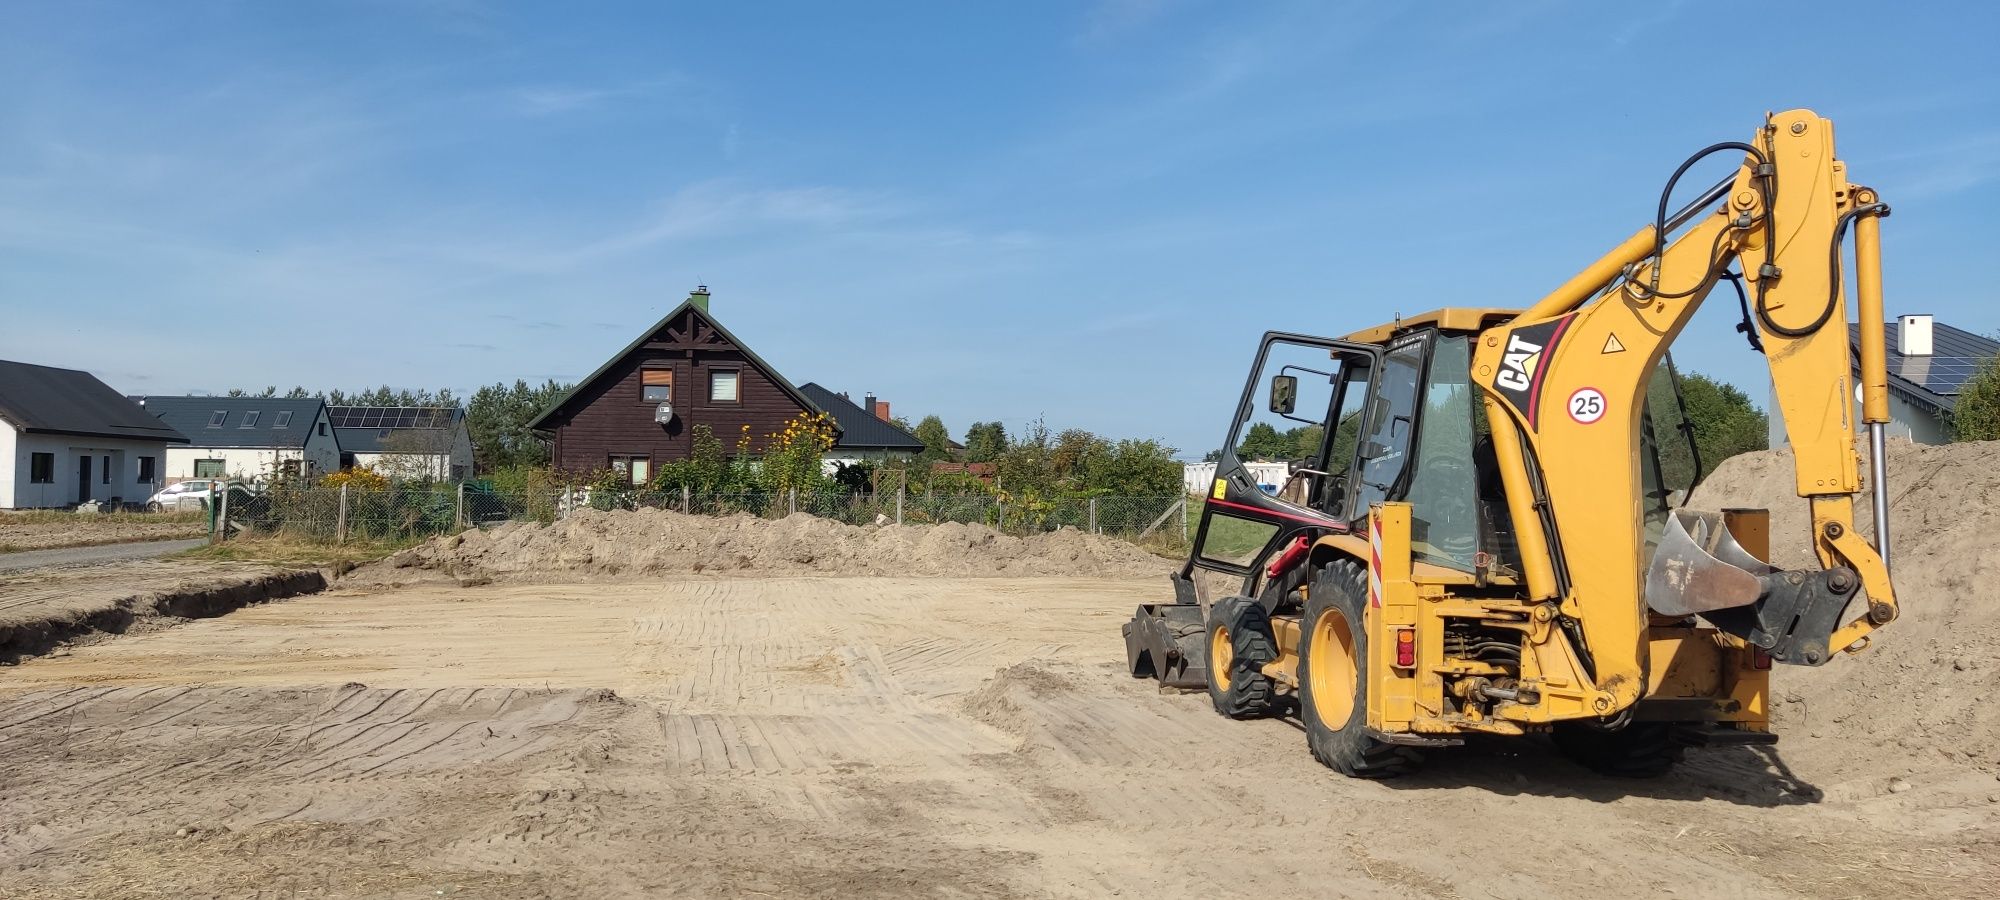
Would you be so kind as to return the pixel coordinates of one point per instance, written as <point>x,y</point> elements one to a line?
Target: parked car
<point>181,493</point>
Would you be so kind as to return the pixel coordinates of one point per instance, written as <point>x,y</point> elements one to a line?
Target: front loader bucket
<point>1164,641</point>
<point>1699,569</point>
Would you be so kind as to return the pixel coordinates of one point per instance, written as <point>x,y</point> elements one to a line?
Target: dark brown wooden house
<point>639,409</point>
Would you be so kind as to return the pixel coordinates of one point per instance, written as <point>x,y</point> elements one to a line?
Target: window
<point>284,419</point>
<point>289,468</point>
<point>42,468</point>
<point>145,470</point>
<point>250,419</point>
<point>722,386</point>
<point>1444,490</point>
<point>107,470</point>
<point>215,419</point>
<point>322,429</point>
<point>656,385</point>
<point>208,468</point>
<point>636,469</point>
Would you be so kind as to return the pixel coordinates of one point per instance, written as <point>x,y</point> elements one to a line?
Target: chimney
<point>868,403</point>
<point>882,410</point>
<point>699,297</point>
<point>1913,336</point>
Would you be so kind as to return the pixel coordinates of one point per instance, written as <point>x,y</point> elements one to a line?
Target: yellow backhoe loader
<point>1483,530</point>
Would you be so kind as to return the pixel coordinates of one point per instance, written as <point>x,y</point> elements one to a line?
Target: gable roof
<point>1932,382</point>
<point>48,400</point>
<point>541,421</point>
<point>192,416</point>
<point>858,429</point>
<point>362,429</point>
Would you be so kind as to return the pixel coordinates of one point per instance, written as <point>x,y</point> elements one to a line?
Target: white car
<point>185,494</point>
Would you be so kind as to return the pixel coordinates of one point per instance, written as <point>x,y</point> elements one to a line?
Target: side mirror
<point>1284,394</point>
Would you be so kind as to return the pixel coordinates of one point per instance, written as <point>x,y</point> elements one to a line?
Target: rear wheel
<point>155,507</point>
<point>1333,683</point>
<point>1239,645</point>
<point>1639,750</point>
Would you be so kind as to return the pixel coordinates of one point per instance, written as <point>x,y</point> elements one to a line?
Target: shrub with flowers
<point>792,456</point>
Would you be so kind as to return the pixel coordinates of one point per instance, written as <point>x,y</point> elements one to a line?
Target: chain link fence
<point>415,512</point>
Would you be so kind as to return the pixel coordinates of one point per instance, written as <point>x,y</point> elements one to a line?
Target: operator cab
<point>1328,428</point>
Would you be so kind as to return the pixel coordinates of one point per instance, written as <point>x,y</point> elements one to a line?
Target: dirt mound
<point>1922,687</point>
<point>1003,700</point>
<point>651,542</point>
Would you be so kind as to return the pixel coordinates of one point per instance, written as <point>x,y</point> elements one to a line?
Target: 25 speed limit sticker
<point>1586,405</point>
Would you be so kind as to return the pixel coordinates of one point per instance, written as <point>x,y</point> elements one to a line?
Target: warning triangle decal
<point>1611,345</point>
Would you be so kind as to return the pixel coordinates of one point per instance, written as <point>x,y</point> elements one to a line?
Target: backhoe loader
<point>1484,532</point>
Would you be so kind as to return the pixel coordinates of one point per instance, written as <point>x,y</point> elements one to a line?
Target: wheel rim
<point>1221,656</point>
<point>1331,659</point>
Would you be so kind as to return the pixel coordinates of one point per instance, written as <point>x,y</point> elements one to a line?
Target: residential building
<point>867,432</point>
<point>67,438</point>
<point>404,441</point>
<point>1929,364</point>
<point>247,437</point>
<point>641,407</point>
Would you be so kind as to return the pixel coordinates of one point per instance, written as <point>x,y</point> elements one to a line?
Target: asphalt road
<point>74,556</point>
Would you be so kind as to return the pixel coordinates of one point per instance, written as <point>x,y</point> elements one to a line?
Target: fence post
<point>791,501</point>
<point>1093,515</point>
<point>340,518</point>
<point>899,504</point>
<point>1001,520</point>
<point>1184,521</point>
<point>458,518</point>
<point>222,529</point>
<point>687,500</point>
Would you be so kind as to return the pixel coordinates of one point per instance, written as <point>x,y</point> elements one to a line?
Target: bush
<point>1976,414</point>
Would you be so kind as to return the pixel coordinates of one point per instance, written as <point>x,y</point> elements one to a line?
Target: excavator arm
<point>1565,385</point>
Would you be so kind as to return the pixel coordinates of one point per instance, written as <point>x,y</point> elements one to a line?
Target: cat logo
<point>1524,363</point>
<point>1517,368</point>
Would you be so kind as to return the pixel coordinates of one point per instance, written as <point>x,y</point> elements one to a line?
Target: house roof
<point>541,421</point>
<point>858,429</point>
<point>1932,381</point>
<point>48,400</point>
<point>196,417</point>
<point>362,429</point>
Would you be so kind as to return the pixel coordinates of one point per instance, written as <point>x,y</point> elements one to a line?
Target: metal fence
<point>399,513</point>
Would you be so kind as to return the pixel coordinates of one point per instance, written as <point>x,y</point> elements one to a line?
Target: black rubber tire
<point>1240,689</point>
<point>155,507</point>
<point>1639,750</point>
<point>1345,747</point>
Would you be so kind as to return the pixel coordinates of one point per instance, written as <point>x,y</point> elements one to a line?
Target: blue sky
<point>1080,211</point>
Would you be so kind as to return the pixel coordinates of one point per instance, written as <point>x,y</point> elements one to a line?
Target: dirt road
<point>855,737</point>
<point>95,553</point>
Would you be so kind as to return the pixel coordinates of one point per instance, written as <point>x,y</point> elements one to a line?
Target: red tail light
<point>1759,659</point>
<point>1406,648</point>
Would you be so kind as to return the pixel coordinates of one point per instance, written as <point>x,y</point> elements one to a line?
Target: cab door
<point>1284,467</point>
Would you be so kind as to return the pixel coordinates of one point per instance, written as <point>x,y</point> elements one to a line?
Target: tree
<point>1265,441</point>
<point>985,441</point>
<point>1976,414</point>
<point>497,420</point>
<point>937,441</point>
<point>1725,422</point>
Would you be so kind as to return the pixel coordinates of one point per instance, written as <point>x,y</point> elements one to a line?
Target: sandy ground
<point>858,737</point>
<point>20,532</point>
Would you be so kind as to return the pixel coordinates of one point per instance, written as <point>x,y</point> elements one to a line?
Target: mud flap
<point>1163,641</point>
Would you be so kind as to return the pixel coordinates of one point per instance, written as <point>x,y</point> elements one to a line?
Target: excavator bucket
<point>1699,569</point>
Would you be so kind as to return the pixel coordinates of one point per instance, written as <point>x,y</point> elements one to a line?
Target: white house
<point>67,438</point>
<point>404,441</point>
<point>247,437</point>
<point>1929,362</point>
<point>1197,477</point>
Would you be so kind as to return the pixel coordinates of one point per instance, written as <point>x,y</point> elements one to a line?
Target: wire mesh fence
<point>414,512</point>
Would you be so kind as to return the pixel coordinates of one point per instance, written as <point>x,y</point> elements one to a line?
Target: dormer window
<point>284,419</point>
<point>216,418</point>
<point>250,419</point>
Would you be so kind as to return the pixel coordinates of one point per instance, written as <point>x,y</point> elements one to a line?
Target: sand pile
<point>1924,686</point>
<point>652,541</point>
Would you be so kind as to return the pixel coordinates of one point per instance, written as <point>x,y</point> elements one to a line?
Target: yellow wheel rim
<point>1221,656</point>
<point>1331,660</point>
